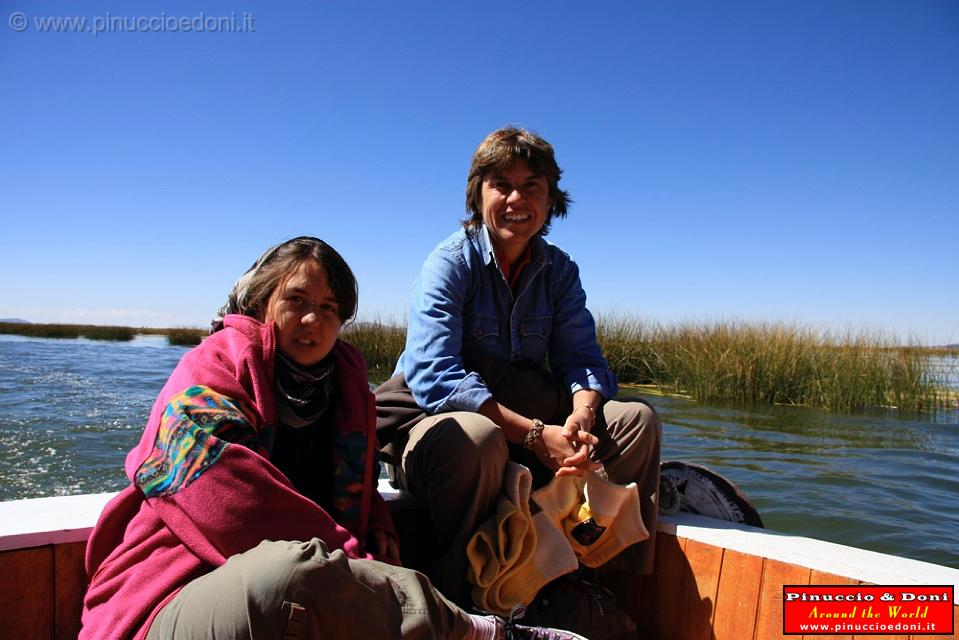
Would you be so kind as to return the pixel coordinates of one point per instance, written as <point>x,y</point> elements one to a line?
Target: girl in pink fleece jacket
<point>252,509</point>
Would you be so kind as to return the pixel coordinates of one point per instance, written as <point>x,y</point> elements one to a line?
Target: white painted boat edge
<point>61,519</point>
<point>830,557</point>
<point>54,520</point>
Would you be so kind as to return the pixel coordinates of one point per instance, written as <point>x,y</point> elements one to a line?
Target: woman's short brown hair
<point>496,153</point>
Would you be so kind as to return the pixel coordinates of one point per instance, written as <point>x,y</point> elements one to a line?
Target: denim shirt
<point>461,305</point>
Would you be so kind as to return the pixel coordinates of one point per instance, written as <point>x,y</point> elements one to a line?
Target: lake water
<point>71,409</point>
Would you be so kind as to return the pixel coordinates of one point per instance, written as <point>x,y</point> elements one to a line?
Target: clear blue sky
<point>785,161</point>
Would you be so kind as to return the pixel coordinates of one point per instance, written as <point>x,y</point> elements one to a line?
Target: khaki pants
<point>293,590</point>
<point>455,462</point>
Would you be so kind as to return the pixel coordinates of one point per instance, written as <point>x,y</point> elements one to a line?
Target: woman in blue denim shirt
<point>494,304</point>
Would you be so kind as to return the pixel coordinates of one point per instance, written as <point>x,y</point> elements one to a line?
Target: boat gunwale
<point>64,519</point>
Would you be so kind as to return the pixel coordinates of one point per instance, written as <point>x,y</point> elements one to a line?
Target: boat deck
<point>713,580</point>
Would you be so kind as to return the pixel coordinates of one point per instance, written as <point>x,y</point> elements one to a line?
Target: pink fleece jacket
<point>203,488</point>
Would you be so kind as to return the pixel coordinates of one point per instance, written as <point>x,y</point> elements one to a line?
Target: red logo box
<point>868,609</point>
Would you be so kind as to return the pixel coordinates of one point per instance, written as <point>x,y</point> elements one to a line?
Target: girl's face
<point>306,314</point>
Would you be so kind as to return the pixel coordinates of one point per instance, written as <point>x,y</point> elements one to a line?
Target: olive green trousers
<point>299,590</point>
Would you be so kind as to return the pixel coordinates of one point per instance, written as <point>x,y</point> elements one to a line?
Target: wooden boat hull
<point>713,580</point>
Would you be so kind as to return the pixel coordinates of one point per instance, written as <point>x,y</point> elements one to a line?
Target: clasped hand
<point>566,448</point>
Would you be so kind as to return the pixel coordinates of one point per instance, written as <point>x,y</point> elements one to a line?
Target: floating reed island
<point>727,361</point>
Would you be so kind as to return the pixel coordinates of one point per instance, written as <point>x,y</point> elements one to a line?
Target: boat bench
<point>713,580</point>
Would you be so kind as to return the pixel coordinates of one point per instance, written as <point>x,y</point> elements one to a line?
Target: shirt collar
<point>537,255</point>
<point>486,244</point>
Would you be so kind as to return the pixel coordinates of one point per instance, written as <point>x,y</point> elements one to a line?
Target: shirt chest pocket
<point>535,332</point>
<point>481,328</point>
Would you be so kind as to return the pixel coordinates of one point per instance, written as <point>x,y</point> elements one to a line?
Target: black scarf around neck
<point>302,393</point>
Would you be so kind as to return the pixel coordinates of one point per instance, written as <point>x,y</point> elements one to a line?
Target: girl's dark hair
<point>286,257</point>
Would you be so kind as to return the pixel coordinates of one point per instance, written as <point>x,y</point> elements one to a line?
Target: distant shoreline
<point>177,336</point>
<point>17,326</point>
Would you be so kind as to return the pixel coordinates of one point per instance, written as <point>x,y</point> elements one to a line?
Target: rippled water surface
<point>874,481</point>
<point>70,410</point>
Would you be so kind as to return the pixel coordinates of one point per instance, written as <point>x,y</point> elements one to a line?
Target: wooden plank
<point>699,599</point>
<point>659,610</point>
<point>737,599</point>
<point>70,584</point>
<point>769,620</point>
<point>26,585</point>
<point>824,577</point>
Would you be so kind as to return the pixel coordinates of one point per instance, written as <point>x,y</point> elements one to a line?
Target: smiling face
<point>306,314</point>
<point>515,207</point>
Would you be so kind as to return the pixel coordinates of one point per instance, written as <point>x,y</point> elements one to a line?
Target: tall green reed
<point>186,337</point>
<point>772,363</point>
<point>381,344</point>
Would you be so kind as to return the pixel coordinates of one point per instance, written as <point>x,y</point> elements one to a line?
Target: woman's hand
<point>565,449</point>
<point>384,547</point>
<point>582,418</point>
<point>568,454</point>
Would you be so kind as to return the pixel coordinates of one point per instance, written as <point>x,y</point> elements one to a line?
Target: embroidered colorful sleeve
<point>194,429</point>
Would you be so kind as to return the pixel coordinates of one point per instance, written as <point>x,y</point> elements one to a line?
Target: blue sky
<point>760,161</point>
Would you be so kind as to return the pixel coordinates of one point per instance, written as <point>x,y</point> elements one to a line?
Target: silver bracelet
<point>592,411</point>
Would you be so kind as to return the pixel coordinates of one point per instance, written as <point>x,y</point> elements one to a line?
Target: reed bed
<point>774,364</point>
<point>185,337</point>
<point>380,342</point>
<point>743,363</point>
<point>91,332</point>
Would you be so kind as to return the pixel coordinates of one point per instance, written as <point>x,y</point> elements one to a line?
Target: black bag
<point>577,602</point>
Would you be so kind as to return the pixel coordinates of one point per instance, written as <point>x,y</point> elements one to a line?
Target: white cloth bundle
<point>584,520</point>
